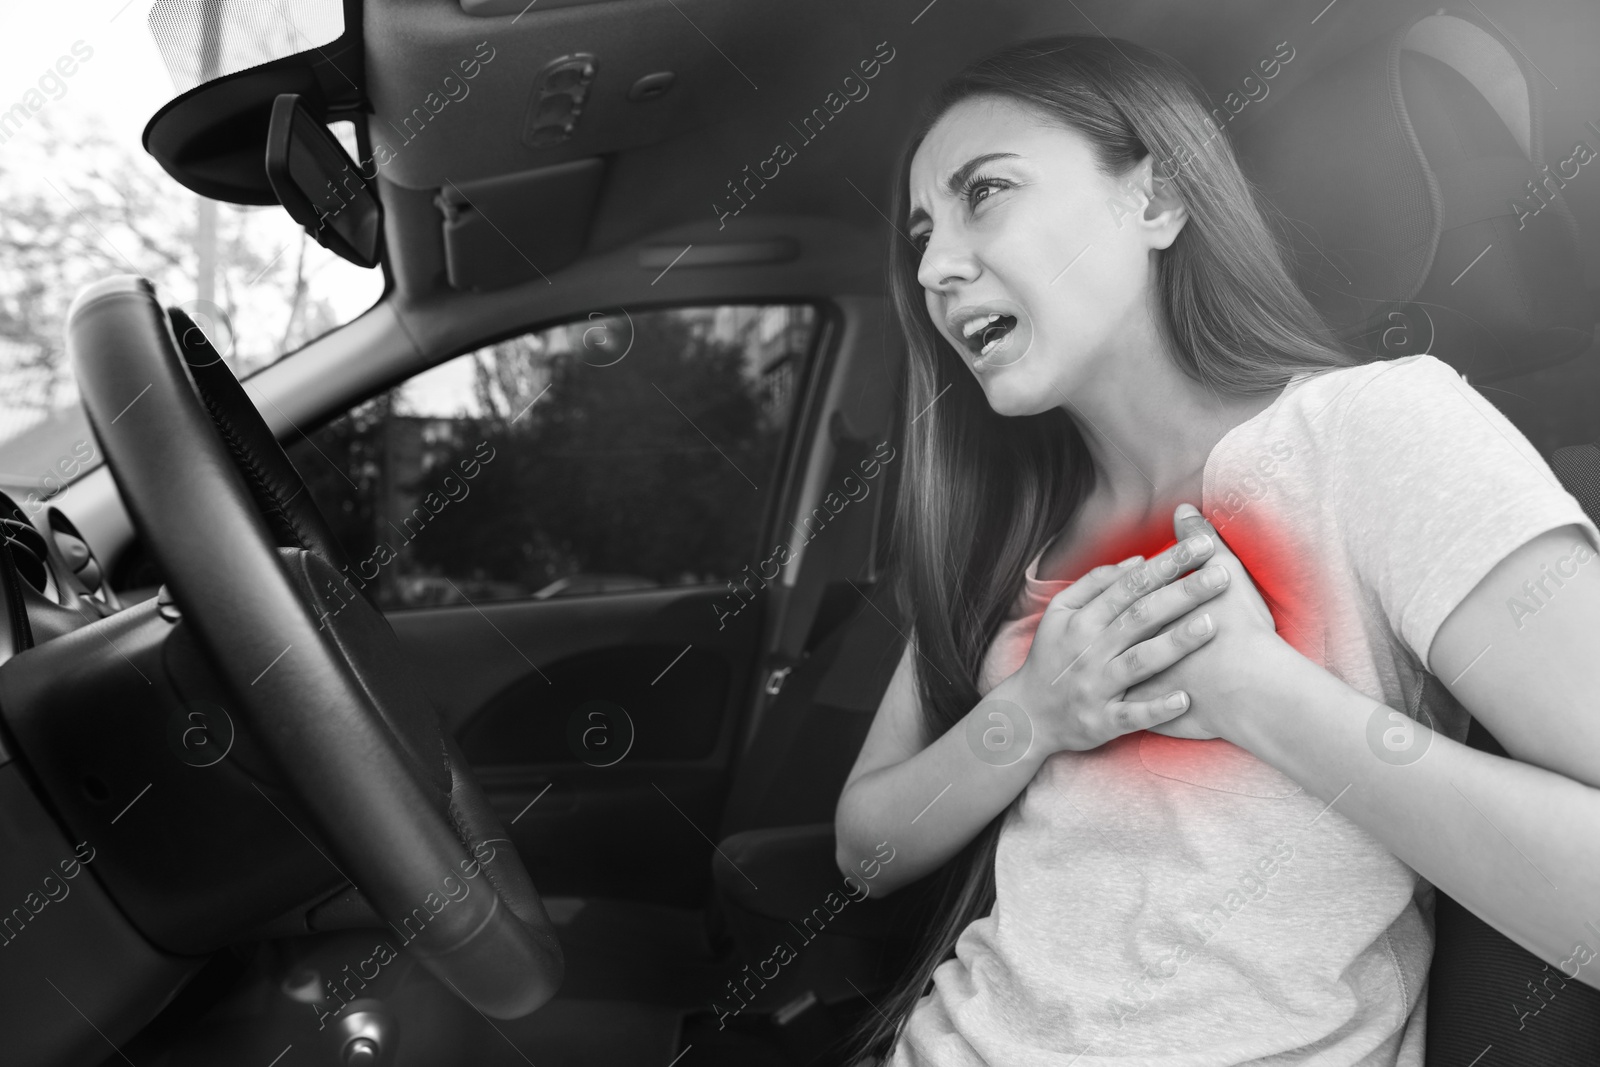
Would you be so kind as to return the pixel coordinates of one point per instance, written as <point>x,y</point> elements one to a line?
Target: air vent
<point>28,548</point>
<point>74,549</point>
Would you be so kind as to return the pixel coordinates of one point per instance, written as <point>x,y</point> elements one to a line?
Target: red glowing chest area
<point>1277,552</point>
<point>1289,570</point>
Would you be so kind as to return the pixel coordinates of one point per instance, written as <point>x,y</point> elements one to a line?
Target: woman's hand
<point>1102,634</point>
<point>1215,678</point>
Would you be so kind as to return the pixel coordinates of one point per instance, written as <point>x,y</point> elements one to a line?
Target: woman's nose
<point>946,263</point>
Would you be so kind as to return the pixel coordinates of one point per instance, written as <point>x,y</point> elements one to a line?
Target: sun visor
<point>1407,182</point>
<point>516,228</point>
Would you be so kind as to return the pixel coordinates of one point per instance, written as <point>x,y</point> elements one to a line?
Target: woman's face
<point>1033,234</point>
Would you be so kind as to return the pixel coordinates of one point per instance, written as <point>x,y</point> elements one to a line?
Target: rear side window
<point>621,451</point>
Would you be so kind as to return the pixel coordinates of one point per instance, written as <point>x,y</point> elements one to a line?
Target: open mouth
<point>984,337</point>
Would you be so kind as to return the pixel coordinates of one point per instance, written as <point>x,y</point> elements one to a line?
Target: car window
<point>624,450</point>
<point>83,201</point>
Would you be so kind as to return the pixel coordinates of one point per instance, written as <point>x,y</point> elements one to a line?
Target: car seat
<point>1408,181</point>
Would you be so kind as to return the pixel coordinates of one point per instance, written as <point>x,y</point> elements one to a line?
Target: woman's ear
<point>1164,214</point>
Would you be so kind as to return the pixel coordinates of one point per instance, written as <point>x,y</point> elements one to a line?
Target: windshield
<point>81,200</point>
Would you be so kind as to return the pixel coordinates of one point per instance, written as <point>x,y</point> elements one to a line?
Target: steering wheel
<point>330,697</point>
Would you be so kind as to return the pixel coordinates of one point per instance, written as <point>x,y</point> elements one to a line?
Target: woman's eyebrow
<point>957,179</point>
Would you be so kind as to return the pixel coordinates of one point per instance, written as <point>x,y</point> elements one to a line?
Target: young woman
<point>1162,839</point>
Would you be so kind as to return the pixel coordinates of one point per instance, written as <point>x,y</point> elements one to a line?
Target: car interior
<point>275,674</point>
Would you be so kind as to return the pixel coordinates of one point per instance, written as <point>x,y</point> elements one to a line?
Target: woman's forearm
<point>928,807</point>
<point>1512,842</point>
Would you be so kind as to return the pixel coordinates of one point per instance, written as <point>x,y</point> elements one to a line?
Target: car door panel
<point>601,727</point>
<point>548,522</point>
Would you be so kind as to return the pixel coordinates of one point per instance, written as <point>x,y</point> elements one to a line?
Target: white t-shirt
<point>1180,903</point>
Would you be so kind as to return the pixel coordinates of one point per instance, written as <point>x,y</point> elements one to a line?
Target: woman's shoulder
<point>1377,392</point>
<point>1342,420</point>
<point>1410,428</point>
<point>1394,440</point>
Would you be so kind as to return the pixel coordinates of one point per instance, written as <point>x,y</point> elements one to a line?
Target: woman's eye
<point>971,194</point>
<point>986,185</point>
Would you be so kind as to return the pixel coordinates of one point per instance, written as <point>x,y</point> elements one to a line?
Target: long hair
<point>982,493</point>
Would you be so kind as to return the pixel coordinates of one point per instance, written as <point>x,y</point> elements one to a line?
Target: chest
<point>1100,533</point>
<point>1275,535</point>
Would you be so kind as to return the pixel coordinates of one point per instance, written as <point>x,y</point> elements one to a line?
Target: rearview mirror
<point>320,186</point>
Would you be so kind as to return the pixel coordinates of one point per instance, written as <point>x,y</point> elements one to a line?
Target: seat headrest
<point>1408,182</point>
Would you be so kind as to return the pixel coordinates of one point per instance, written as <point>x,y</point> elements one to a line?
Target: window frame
<point>788,470</point>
